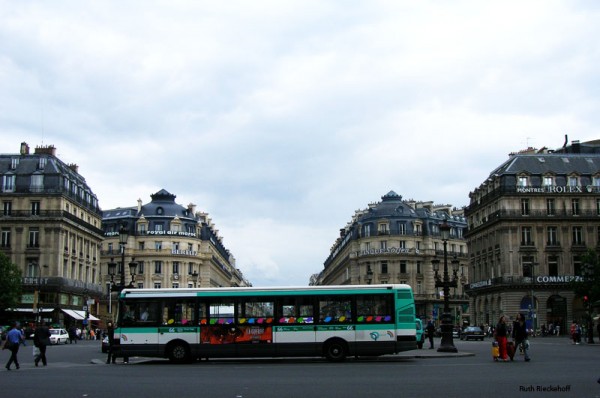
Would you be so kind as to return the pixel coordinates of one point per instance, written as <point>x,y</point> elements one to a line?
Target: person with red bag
<point>501,335</point>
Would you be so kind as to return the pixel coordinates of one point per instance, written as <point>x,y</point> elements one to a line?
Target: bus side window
<point>335,310</point>
<point>180,312</point>
<point>202,314</point>
<point>255,311</point>
<point>147,313</point>
<point>374,308</point>
<point>222,312</point>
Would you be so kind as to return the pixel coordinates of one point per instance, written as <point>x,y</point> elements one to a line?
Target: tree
<point>588,287</point>
<point>10,283</point>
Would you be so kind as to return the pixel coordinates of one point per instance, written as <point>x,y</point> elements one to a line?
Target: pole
<point>447,343</point>
<point>123,264</point>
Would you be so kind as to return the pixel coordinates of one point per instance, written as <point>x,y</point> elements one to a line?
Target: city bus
<point>185,324</point>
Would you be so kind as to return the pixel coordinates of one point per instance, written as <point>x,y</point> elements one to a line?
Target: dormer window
<point>37,182</point>
<point>383,228</point>
<point>573,181</point>
<point>8,183</point>
<point>523,181</point>
<point>160,211</point>
<point>42,163</point>
<point>14,162</point>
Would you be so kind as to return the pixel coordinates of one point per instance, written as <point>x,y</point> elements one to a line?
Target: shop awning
<point>79,315</point>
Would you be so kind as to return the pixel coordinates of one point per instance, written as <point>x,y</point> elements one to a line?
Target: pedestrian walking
<point>430,332</point>
<point>519,335</point>
<point>41,340</point>
<point>575,332</point>
<point>72,335</point>
<point>14,338</point>
<point>112,347</point>
<point>501,334</point>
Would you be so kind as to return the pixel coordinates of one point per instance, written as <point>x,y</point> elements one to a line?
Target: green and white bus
<point>331,321</point>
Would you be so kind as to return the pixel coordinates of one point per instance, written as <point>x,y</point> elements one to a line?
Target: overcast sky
<point>281,118</point>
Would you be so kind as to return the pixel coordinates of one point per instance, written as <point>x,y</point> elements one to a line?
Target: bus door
<point>254,326</point>
<point>139,322</point>
<point>295,332</point>
<point>218,330</point>
<point>178,323</point>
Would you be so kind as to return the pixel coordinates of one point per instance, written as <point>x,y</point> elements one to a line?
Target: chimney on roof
<point>139,205</point>
<point>24,148</point>
<point>576,146</point>
<point>45,150</point>
<point>74,167</point>
<point>191,208</point>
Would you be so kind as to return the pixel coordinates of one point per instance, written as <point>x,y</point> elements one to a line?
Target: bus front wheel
<point>335,350</point>
<point>179,352</point>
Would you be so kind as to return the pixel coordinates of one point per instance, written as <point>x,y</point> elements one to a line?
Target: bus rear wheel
<point>336,350</point>
<point>179,352</point>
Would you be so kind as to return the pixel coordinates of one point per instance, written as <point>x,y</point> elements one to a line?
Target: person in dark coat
<point>112,348</point>
<point>519,335</point>
<point>110,331</point>
<point>41,339</point>
<point>430,332</point>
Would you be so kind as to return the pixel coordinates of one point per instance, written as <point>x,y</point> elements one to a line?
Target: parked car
<point>58,336</point>
<point>420,333</point>
<point>472,333</point>
<point>456,332</point>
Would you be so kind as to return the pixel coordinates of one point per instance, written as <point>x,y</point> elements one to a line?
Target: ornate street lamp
<point>369,277</point>
<point>588,273</point>
<point>447,343</point>
<point>112,266</point>
<point>194,277</point>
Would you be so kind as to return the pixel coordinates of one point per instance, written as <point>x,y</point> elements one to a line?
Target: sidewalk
<point>427,353</point>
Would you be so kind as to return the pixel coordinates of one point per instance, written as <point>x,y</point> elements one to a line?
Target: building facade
<point>51,228</point>
<point>530,223</point>
<point>172,246</point>
<point>395,241</point>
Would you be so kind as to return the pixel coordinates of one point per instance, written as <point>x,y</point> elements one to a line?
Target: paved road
<point>78,370</point>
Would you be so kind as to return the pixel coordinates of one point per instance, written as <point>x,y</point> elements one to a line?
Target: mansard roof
<point>554,163</point>
<point>391,206</point>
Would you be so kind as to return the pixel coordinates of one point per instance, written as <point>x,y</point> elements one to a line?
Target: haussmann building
<point>162,244</point>
<point>530,223</point>
<point>51,229</point>
<point>395,241</point>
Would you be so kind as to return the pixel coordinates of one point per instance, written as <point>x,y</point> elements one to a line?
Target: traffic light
<point>586,301</point>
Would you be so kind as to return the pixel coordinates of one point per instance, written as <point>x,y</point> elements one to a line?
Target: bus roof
<point>257,291</point>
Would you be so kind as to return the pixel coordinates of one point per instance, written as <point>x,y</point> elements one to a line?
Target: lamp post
<point>37,293</point>
<point>369,277</point>
<point>194,277</point>
<point>588,273</point>
<point>112,267</point>
<point>447,343</point>
<point>532,306</point>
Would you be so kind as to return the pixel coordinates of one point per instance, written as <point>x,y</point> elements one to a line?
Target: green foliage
<point>590,284</point>
<point>10,283</point>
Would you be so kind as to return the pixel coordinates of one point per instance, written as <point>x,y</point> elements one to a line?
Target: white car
<point>58,336</point>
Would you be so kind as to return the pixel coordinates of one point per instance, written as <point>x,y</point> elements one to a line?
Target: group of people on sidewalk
<point>520,336</point>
